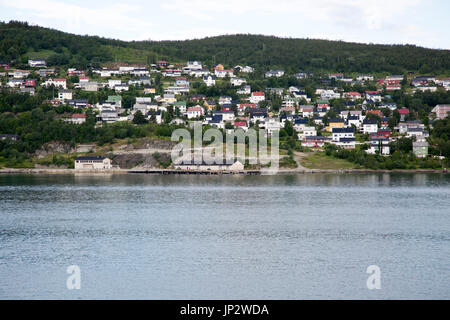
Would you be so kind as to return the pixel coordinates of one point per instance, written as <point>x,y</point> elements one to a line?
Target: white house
<point>209,80</point>
<point>370,126</point>
<point>246,69</point>
<point>78,118</point>
<point>225,100</point>
<point>36,63</point>
<point>92,163</point>
<point>354,120</point>
<point>257,97</point>
<point>65,94</point>
<point>271,125</point>
<point>307,132</point>
<point>274,73</point>
<point>198,73</point>
<point>121,87</point>
<point>346,143</point>
<point>328,94</point>
<point>194,112</point>
<point>89,86</point>
<point>15,83</point>
<point>379,145</point>
<point>365,77</point>
<point>237,81</point>
<point>61,83</point>
<point>192,66</point>
<point>338,133</point>
<point>374,96</point>
<point>112,83</point>
<point>244,90</point>
<point>223,73</point>
<point>226,115</point>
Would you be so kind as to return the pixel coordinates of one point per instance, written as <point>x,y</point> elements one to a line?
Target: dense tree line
<point>262,52</point>
<point>398,160</point>
<point>304,54</point>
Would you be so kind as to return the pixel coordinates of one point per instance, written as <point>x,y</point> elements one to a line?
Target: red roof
<point>250,105</point>
<point>371,91</point>
<point>403,111</point>
<point>195,109</point>
<point>354,93</point>
<point>59,79</point>
<point>257,93</point>
<point>240,124</point>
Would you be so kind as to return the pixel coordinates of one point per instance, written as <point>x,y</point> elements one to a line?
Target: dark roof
<point>257,111</point>
<point>343,130</point>
<point>315,138</point>
<point>346,139</point>
<point>90,158</point>
<point>370,121</point>
<point>336,120</point>
<point>216,119</point>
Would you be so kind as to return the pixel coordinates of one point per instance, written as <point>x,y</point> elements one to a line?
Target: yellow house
<point>149,90</point>
<point>210,105</point>
<point>334,124</point>
<point>169,98</point>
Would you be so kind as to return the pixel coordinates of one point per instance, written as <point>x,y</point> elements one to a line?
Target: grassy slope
<point>319,160</point>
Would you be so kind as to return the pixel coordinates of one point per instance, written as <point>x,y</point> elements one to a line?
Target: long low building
<point>236,166</point>
<point>92,163</point>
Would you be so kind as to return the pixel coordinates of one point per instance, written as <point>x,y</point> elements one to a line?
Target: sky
<point>420,22</point>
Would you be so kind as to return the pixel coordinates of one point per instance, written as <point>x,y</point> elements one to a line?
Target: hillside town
<point>346,110</point>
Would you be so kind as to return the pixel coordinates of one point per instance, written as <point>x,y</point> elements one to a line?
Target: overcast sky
<point>421,22</point>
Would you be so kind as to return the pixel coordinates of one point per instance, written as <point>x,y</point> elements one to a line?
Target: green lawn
<point>43,54</point>
<point>319,160</point>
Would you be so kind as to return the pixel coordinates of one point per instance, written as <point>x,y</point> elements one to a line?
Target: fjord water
<point>225,237</point>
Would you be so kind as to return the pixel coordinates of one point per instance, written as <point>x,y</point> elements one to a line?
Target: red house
<point>375,112</point>
<point>323,104</point>
<point>4,65</point>
<point>403,113</point>
<point>30,83</point>
<point>240,124</point>
<point>385,133</point>
<point>162,63</point>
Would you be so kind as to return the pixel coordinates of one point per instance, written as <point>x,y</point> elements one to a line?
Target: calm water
<point>186,237</point>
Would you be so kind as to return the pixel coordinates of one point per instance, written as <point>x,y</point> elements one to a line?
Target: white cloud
<point>371,14</point>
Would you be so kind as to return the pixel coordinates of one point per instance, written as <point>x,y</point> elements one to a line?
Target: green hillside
<point>19,41</point>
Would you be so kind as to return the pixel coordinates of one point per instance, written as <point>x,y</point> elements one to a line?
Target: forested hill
<point>19,41</point>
